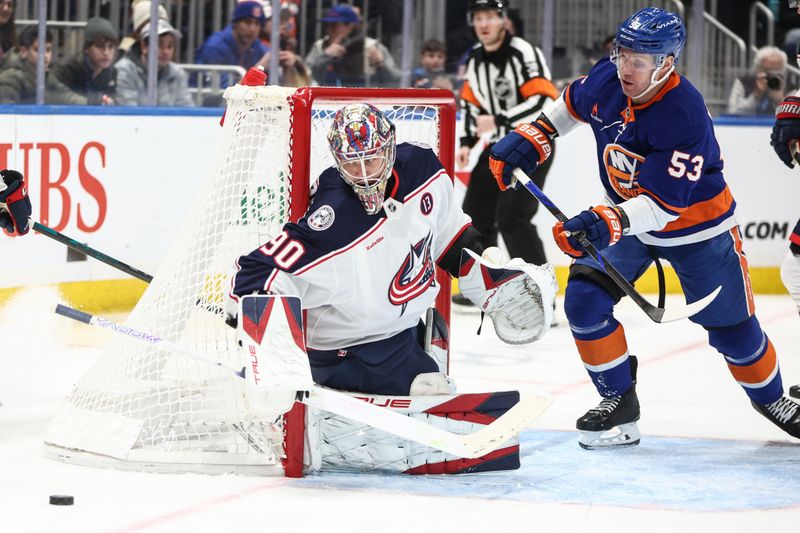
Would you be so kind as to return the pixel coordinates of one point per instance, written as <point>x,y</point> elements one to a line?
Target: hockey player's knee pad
<point>740,341</point>
<point>586,303</point>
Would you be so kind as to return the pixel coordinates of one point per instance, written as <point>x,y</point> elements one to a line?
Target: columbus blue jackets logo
<point>415,275</point>
<point>622,168</point>
<point>322,218</point>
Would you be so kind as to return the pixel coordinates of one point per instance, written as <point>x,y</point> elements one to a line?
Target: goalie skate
<point>613,422</point>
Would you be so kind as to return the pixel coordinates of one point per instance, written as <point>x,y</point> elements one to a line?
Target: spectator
<point>18,77</point>
<point>432,73</point>
<point>140,15</point>
<point>760,92</point>
<point>91,74</point>
<point>8,31</point>
<point>238,43</point>
<point>173,83</point>
<point>346,57</point>
<point>289,11</point>
<point>293,71</point>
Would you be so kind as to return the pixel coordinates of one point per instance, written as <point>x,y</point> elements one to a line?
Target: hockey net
<point>142,408</point>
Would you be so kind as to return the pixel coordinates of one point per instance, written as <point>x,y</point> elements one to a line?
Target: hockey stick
<point>469,446</point>
<point>85,249</point>
<point>657,314</point>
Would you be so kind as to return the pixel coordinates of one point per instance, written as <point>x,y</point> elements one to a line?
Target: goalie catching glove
<point>517,296</point>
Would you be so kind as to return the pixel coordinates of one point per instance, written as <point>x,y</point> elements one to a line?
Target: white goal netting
<point>140,407</point>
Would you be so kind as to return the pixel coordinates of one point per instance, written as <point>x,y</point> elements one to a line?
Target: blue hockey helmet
<point>652,31</point>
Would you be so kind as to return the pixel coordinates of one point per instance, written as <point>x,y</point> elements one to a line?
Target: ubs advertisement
<point>123,184</point>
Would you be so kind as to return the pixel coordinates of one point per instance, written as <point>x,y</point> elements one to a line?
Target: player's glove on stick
<point>528,146</point>
<point>15,215</point>
<point>602,226</point>
<point>786,131</point>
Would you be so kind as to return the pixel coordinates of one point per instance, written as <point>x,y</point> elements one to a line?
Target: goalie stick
<point>657,314</point>
<point>469,446</point>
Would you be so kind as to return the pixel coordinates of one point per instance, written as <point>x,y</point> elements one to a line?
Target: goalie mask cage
<point>142,408</point>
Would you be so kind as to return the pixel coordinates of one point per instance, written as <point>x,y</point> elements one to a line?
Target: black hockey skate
<point>794,391</point>
<point>618,413</point>
<point>784,413</point>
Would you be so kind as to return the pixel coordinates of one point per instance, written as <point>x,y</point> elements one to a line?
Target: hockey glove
<point>528,146</point>
<point>786,131</point>
<point>15,215</point>
<point>517,296</point>
<point>602,226</point>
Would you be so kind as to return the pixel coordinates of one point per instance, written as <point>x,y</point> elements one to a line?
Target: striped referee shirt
<point>512,83</point>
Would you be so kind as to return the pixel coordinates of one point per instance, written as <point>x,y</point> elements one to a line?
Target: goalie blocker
<point>273,353</point>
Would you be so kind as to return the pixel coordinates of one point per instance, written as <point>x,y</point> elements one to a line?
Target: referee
<point>507,83</point>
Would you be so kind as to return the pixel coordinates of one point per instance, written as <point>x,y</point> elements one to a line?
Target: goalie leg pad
<point>270,332</point>
<point>436,341</point>
<point>336,443</point>
<point>518,296</point>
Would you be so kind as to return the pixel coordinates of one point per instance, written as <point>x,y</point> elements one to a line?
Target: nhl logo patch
<point>322,218</point>
<point>502,88</point>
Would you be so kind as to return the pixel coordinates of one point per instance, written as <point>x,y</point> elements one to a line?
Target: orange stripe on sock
<point>605,350</point>
<point>758,371</point>
<point>748,287</point>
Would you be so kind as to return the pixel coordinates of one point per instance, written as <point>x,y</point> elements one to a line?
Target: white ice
<point>707,461</point>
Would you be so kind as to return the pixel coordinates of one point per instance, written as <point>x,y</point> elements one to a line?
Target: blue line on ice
<point>665,473</point>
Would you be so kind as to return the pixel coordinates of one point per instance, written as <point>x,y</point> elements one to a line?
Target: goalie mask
<point>362,142</point>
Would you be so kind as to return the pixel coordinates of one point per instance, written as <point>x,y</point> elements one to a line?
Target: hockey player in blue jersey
<point>362,262</point>
<point>666,197</point>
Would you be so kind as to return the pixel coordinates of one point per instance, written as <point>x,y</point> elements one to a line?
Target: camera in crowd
<point>774,80</point>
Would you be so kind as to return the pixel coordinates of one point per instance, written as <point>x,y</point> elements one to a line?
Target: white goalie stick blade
<point>469,446</point>
<point>270,329</point>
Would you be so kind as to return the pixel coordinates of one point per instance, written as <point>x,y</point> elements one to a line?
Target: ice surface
<point>707,461</point>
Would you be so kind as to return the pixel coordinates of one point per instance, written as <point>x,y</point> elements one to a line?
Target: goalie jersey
<point>362,278</point>
<point>667,152</point>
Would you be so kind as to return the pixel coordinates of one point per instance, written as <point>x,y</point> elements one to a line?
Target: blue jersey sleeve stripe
<point>568,94</point>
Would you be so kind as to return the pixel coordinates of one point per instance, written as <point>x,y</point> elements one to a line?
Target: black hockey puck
<point>61,499</point>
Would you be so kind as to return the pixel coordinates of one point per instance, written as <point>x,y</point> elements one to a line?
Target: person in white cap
<point>140,16</point>
<point>173,87</point>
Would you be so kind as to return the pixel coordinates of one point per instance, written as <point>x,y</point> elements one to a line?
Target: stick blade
<point>490,438</point>
<point>686,311</point>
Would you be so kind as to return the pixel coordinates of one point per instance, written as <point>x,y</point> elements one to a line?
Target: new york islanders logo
<point>622,168</point>
<point>415,275</point>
